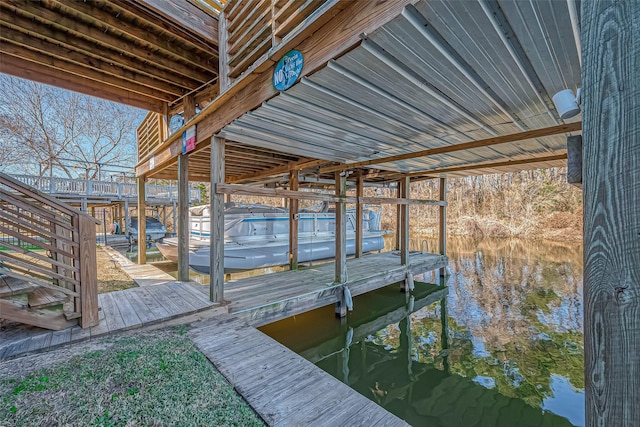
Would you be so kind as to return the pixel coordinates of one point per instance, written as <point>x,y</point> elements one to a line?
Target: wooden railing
<point>253,27</point>
<point>116,190</point>
<point>150,133</point>
<point>49,244</point>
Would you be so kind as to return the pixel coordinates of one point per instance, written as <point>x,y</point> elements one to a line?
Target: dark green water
<point>503,347</point>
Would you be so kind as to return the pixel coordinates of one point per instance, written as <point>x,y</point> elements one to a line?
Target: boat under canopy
<point>257,236</point>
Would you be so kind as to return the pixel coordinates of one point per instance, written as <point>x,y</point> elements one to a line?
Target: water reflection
<point>504,347</point>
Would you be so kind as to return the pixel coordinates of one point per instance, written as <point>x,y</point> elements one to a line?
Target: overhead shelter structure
<point>390,91</point>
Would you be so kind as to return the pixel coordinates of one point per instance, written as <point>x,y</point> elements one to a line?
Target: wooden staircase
<point>47,260</point>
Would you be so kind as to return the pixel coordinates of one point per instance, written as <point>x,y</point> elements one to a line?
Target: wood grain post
<point>88,272</point>
<point>359,216</point>
<point>442,214</point>
<point>293,221</point>
<point>183,218</point>
<point>341,230</point>
<point>216,226</point>
<point>574,160</point>
<point>142,221</point>
<point>403,185</point>
<point>611,194</point>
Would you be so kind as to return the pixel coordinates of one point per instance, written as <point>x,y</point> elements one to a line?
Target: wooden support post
<point>359,216</point>
<point>293,221</point>
<point>611,194</point>
<point>442,212</point>
<point>574,160</point>
<point>341,230</point>
<point>404,230</point>
<point>404,223</point>
<point>183,218</point>
<point>341,242</point>
<point>142,222</point>
<point>88,272</point>
<point>216,287</point>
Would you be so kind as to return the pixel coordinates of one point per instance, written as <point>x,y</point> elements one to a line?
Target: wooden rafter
<point>114,49</point>
<point>487,142</point>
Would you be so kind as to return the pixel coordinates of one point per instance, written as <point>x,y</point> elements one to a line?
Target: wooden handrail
<point>30,224</point>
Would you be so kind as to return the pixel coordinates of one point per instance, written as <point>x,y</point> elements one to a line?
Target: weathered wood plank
<point>127,310</point>
<point>88,304</point>
<point>113,319</point>
<point>216,224</point>
<point>611,191</point>
<point>145,294</point>
<point>280,385</point>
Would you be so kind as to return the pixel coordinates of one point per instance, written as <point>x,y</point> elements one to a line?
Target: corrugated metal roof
<point>441,73</point>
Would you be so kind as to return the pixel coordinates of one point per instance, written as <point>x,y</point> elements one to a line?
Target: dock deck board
<point>281,386</point>
<point>271,297</point>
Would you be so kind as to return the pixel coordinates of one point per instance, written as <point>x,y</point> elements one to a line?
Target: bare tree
<point>50,131</point>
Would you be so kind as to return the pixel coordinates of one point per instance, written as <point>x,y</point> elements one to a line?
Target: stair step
<point>70,315</point>
<point>43,297</point>
<point>43,318</point>
<point>13,286</point>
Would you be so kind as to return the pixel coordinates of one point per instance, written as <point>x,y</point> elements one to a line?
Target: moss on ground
<point>151,378</point>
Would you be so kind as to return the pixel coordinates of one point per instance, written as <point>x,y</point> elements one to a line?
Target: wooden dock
<point>281,386</point>
<point>120,311</point>
<point>258,300</point>
<point>264,299</point>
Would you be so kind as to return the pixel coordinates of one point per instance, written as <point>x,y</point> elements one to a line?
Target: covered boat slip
<point>385,93</point>
<point>389,92</point>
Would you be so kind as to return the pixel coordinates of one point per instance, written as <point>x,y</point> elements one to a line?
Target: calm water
<point>503,347</point>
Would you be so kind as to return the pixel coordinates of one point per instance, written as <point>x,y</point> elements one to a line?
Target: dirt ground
<point>110,275</point>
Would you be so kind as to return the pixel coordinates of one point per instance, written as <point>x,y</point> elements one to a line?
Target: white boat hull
<point>239,257</point>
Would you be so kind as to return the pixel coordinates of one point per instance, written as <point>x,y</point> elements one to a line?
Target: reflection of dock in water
<point>394,378</point>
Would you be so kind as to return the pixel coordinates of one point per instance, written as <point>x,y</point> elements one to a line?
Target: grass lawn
<point>150,378</point>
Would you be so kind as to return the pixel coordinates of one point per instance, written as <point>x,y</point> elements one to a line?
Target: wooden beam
<point>13,42</point>
<point>187,16</point>
<point>142,221</point>
<point>184,233</point>
<point>29,70</point>
<point>87,48</point>
<point>74,69</point>
<point>359,216</point>
<point>159,23</point>
<point>106,40</point>
<point>216,286</point>
<point>334,33</point>
<point>486,142</point>
<point>293,222</point>
<point>141,36</point>
<point>611,193</point>
<point>278,170</point>
<point>249,190</point>
<point>431,174</point>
